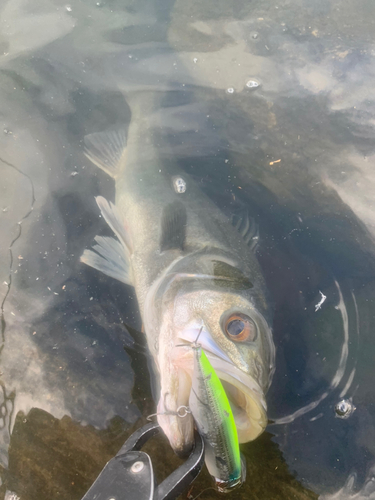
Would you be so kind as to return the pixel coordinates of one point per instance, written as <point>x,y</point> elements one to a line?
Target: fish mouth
<point>245,397</point>
<point>243,391</point>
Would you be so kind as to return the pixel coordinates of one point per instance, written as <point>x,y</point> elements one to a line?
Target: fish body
<point>191,269</point>
<point>214,418</point>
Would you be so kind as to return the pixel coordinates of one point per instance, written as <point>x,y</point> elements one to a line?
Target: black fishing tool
<point>129,475</point>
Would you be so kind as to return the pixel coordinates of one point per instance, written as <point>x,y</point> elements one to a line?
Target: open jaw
<point>244,394</point>
<point>243,391</point>
<point>245,397</point>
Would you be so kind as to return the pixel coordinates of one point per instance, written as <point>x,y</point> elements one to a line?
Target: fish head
<point>237,340</point>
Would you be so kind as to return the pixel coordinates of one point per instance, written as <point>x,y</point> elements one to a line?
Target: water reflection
<point>296,150</point>
<point>338,375</point>
<point>348,492</point>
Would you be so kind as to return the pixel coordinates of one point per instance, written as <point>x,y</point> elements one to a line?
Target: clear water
<point>271,108</point>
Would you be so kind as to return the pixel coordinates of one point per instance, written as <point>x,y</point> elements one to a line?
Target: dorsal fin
<point>106,150</point>
<point>173,227</point>
<point>248,229</point>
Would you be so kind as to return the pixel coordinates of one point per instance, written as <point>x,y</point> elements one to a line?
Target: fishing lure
<point>213,415</point>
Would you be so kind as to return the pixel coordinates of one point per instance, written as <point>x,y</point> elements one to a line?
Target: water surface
<point>270,107</point>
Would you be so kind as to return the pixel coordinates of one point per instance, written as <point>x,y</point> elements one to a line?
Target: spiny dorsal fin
<point>109,257</point>
<point>173,227</point>
<point>248,229</point>
<point>106,150</point>
<point>115,221</point>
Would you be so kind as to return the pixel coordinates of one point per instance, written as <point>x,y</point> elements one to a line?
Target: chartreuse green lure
<point>214,418</point>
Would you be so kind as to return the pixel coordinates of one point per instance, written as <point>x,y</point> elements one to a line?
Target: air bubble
<point>230,90</point>
<point>252,84</point>
<point>344,408</point>
<point>179,185</point>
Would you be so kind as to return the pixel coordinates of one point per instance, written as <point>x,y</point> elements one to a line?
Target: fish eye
<point>240,328</point>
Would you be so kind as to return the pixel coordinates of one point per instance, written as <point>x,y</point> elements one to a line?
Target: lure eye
<point>240,328</point>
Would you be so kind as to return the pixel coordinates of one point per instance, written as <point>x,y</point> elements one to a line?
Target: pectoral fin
<point>228,276</point>
<point>173,227</point>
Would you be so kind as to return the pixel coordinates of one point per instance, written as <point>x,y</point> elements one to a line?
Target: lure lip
<point>227,486</point>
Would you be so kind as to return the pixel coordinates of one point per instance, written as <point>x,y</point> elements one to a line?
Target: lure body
<point>214,418</point>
